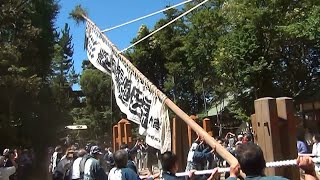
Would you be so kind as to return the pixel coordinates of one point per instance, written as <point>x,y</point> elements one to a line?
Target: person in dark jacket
<point>92,169</point>
<point>62,171</point>
<point>131,155</point>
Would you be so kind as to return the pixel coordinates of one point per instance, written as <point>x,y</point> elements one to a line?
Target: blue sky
<point>108,13</point>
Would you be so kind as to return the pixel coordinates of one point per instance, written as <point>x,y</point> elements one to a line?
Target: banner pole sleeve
<point>186,118</point>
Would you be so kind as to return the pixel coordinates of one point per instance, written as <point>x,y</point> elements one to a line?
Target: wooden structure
<point>274,129</point>
<point>191,134</point>
<point>310,111</point>
<point>206,124</point>
<point>122,134</point>
<point>180,142</point>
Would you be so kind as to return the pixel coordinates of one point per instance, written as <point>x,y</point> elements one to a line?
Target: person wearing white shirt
<point>6,172</point>
<point>193,148</point>
<point>316,145</point>
<point>76,175</point>
<point>316,149</point>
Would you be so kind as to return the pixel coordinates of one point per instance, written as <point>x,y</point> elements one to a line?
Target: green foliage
<point>63,75</point>
<point>77,14</point>
<point>26,50</point>
<point>241,48</point>
<point>270,49</point>
<point>96,86</point>
<point>97,113</point>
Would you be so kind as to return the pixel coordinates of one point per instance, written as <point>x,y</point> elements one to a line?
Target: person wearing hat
<point>8,154</point>
<point>6,172</point>
<point>239,137</point>
<point>92,168</point>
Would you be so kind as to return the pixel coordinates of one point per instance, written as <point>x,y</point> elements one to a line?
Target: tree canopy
<point>241,48</point>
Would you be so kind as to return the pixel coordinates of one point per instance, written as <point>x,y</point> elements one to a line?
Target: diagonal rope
<point>157,30</point>
<point>146,16</point>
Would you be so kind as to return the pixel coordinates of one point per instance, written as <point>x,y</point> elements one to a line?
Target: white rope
<point>146,16</point>
<point>292,162</point>
<point>172,21</point>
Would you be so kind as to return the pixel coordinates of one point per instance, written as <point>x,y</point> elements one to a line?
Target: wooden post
<point>128,134</point>
<point>287,136</point>
<point>179,142</point>
<point>268,131</point>
<point>120,134</point>
<point>191,134</point>
<point>206,124</point>
<point>124,133</point>
<point>115,138</point>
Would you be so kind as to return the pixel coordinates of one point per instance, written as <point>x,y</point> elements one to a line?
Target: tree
<point>265,51</point>
<point>205,27</point>
<point>98,112</point>
<point>148,57</point>
<point>26,50</point>
<point>162,59</point>
<point>245,49</point>
<point>63,75</point>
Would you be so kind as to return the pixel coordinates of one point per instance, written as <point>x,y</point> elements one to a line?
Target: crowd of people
<point>95,163</point>
<point>16,164</point>
<point>202,157</point>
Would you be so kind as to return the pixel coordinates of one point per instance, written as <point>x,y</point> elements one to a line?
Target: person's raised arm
<point>306,164</point>
<point>234,172</point>
<point>214,174</point>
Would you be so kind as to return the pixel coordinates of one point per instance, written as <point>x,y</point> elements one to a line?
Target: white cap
<point>5,152</point>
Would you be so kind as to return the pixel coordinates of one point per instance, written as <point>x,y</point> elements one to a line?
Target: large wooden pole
<point>209,140</point>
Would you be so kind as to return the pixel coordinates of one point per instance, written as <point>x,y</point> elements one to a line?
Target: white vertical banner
<point>134,98</point>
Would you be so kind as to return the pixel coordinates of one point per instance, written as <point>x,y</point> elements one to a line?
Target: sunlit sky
<point>109,13</point>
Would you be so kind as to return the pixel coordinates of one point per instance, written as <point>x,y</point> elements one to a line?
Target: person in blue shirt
<point>131,155</point>
<point>302,147</point>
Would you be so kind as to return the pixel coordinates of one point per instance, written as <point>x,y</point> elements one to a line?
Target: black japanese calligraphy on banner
<point>92,46</point>
<point>132,96</point>
<point>104,60</point>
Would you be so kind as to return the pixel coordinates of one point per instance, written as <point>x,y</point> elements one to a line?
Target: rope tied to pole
<point>146,16</point>
<point>162,27</point>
